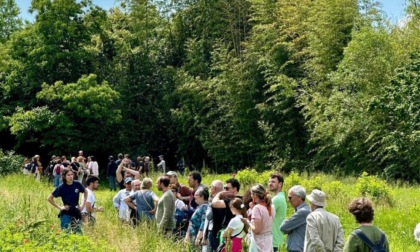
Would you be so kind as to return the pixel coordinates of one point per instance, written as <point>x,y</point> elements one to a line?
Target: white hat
<point>172,173</point>
<point>317,197</point>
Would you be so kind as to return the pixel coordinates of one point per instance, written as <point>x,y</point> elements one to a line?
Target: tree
<point>9,19</point>
<point>77,115</point>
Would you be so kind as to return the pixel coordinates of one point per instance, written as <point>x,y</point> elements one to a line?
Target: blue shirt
<point>69,193</point>
<point>198,218</point>
<point>295,228</point>
<point>145,203</point>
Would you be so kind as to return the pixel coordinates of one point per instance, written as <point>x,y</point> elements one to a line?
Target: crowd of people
<point>215,218</point>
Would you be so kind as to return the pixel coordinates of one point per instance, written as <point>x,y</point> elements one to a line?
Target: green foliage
<point>9,19</point>
<point>10,163</point>
<point>293,179</point>
<point>372,186</point>
<point>39,236</point>
<point>248,177</point>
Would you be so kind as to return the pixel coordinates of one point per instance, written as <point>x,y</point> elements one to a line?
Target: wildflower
<point>25,241</point>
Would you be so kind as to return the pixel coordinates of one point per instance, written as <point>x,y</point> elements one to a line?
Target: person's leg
<point>65,222</point>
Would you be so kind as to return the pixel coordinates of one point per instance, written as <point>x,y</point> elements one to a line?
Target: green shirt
<point>166,211</point>
<point>279,202</point>
<point>354,243</point>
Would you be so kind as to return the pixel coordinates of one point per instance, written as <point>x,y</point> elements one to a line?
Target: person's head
<point>92,158</point>
<point>139,159</point>
<point>201,195</point>
<point>73,159</point>
<point>126,156</point>
<point>162,183</point>
<point>216,187</point>
<point>260,196</point>
<point>80,159</point>
<point>296,195</point>
<point>239,206</point>
<point>233,186</point>
<point>36,157</point>
<point>275,183</point>
<point>136,184</point>
<point>111,158</point>
<point>160,157</point>
<point>146,159</point>
<point>128,183</point>
<point>58,160</point>
<point>173,188</point>
<point>67,175</point>
<point>89,158</point>
<point>120,156</point>
<point>194,179</point>
<point>362,209</point>
<point>64,158</point>
<point>92,182</point>
<point>147,183</point>
<point>80,153</point>
<point>316,199</point>
<point>173,176</point>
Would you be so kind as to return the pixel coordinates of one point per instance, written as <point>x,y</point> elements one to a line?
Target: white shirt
<point>119,203</point>
<point>237,225</point>
<point>93,165</point>
<point>91,199</point>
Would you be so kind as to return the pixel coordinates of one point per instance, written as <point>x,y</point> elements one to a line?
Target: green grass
<point>29,223</point>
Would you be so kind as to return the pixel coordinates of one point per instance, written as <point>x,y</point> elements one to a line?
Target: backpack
<point>378,247</point>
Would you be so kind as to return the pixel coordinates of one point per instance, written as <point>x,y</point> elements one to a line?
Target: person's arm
<point>85,195</point>
<point>118,173</point>
<point>312,234</point>
<point>187,234</point>
<point>129,201</point>
<point>218,204</point>
<point>52,202</point>
<point>133,172</point>
<point>227,232</point>
<point>339,244</point>
<point>167,215</point>
<point>296,220</point>
<point>116,200</point>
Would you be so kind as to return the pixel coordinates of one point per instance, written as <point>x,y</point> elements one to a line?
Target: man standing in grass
<point>69,191</point>
<point>295,226</point>
<point>165,212</point>
<point>323,229</point>
<point>88,212</point>
<point>275,185</point>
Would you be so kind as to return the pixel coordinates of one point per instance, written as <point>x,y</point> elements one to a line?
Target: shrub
<point>334,189</point>
<point>372,186</point>
<point>10,163</point>
<point>247,177</point>
<point>293,179</point>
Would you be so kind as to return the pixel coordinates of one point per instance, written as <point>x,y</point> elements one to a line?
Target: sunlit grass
<point>23,201</point>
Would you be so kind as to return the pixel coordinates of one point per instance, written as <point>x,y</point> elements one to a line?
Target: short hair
<point>91,179</point>
<point>298,191</point>
<point>235,183</point>
<point>80,159</point>
<point>164,180</point>
<point>278,177</point>
<point>203,192</point>
<point>217,184</point>
<point>362,209</point>
<point>147,183</point>
<point>92,158</point>
<point>73,159</point>
<point>196,176</point>
<point>120,156</point>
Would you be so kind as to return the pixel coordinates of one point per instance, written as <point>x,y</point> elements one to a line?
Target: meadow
<point>29,223</point>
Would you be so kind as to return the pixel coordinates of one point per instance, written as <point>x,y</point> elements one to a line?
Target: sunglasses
<point>227,188</point>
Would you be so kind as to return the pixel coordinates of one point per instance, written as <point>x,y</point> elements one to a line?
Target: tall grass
<point>23,206</point>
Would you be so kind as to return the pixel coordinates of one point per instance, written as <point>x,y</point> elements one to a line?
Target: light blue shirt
<point>295,228</point>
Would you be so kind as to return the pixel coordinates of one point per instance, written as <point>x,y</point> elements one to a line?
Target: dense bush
<point>247,177</point>
<point>372,186</point>
<point>10,162</point>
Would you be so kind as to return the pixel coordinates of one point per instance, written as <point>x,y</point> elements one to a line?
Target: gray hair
<point>298,191</point>
<point>417,233</point>
<point>218,184</point>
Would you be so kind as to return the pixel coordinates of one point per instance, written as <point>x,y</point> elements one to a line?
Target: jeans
<point>69,224</point>
<point>57,180</point>
<point>112,183</point>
